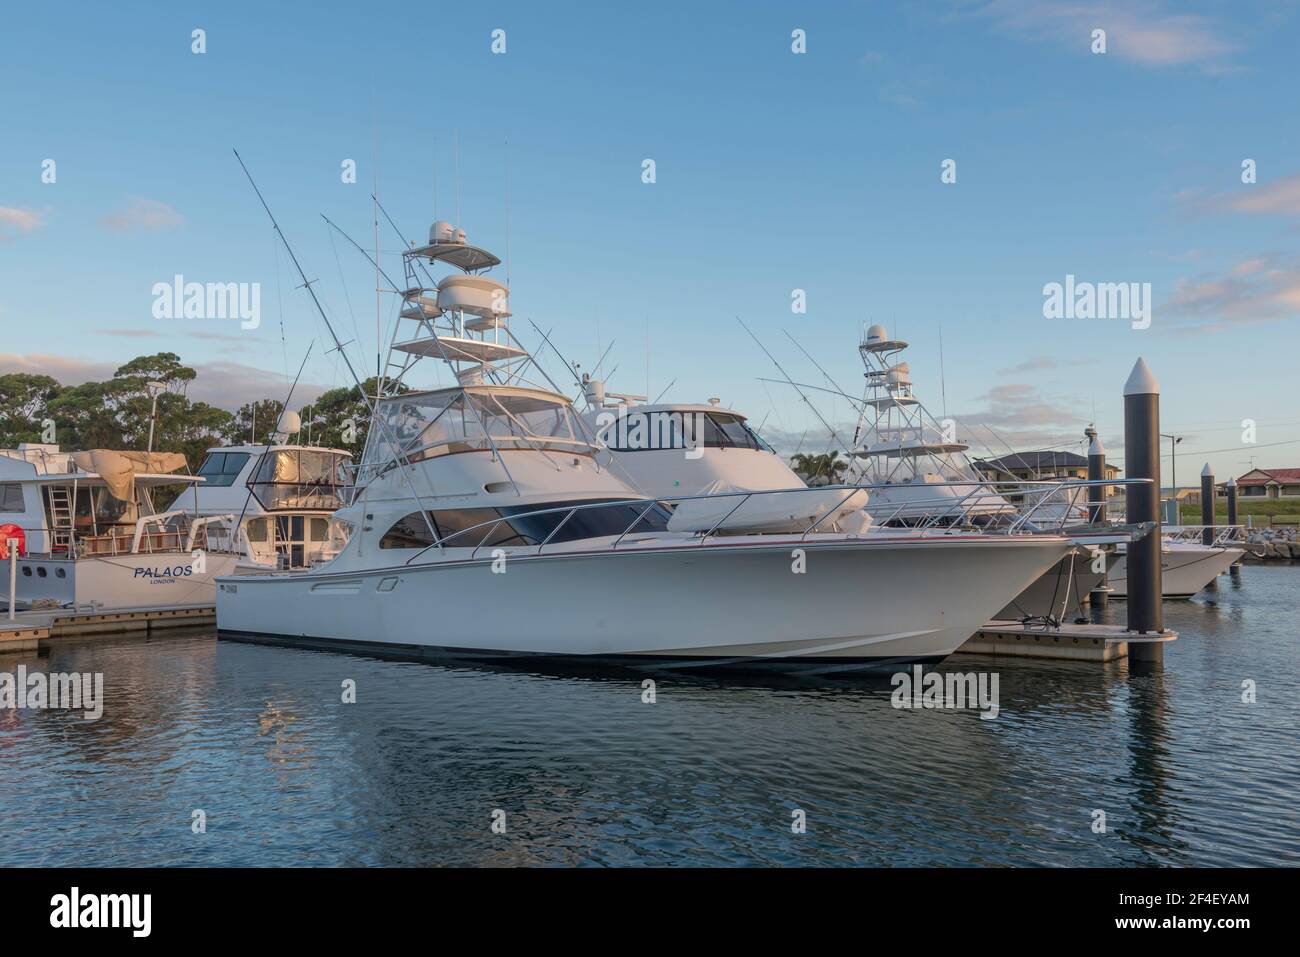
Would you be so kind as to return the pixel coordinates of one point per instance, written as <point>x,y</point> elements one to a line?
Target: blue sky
<point>775,171</point>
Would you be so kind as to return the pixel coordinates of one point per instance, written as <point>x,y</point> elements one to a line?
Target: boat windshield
<point>425,425</point>
<point>301,478</point>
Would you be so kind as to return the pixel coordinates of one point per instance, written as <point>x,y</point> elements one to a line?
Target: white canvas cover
<point>119,469</point>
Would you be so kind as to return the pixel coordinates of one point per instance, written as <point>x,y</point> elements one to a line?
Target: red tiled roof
<point>1284,476</point>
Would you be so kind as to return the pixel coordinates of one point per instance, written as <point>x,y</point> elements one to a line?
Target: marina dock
<point>1089,642</point>
<point>30,629</point>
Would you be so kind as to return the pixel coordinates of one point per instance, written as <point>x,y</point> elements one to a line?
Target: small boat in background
<point>88,535</point>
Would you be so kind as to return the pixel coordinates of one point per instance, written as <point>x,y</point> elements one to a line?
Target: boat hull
<point>1184,569</point>
<point>855,605</point>
<point>119,581</point>
<point>1060,591</point>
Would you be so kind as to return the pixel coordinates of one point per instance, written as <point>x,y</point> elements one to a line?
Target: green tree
<point>115,413</point>
<point>24,405</point>
<point>84,418</point>
<point>340,418</point>
<point>825,469</point>
<point>255,421</point>
<point>132,401</point>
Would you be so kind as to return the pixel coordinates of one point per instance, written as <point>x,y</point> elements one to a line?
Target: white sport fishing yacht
<point>927,476</point>
<point>1186,567</point>
<point>283,498</point>
<point>487,526</point>
<point>904,446</point>
<point>89,536</point>
<point>671,450</point>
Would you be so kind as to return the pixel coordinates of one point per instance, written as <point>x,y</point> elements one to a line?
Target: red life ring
<point>8,531</point>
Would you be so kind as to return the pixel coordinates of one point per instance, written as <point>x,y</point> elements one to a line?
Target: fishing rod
<point>829,428</point>
<point>371,407</point>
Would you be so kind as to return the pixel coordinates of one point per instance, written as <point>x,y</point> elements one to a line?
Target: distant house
<point>1269,483</point>
<point>1043,466</point>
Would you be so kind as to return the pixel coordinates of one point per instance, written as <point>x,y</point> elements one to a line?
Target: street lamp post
<point>154,389</point>
<point>1173,471</point>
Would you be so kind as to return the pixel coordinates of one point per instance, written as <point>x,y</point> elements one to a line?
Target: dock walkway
<point>30,629</point>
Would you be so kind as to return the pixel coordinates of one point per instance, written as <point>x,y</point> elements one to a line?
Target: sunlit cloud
<point>141,213</point>
<point>1146,33</point>
<point>19,219</point>
<point>1260,289</point>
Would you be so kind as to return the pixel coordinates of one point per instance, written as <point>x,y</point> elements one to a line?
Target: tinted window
<point>612,520</point>
<point>222,468</point>
<point>734,431</point>
<point>452,522</point>
<point>11,497</point>
<point>456,527</point>
<point>412,531</point>
<point>409,532</point>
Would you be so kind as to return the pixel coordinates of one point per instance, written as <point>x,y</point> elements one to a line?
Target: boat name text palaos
<point>1102,300</point>
<point>933,690</point>
<point>75,910</point>
<point>75,691</point>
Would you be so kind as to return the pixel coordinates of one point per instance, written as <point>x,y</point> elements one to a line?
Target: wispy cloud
<point>1046,364</point>
<point>141,213</point>
<point>1261,289</point>
<point>68,371</point>
<point>1279,197</point>
<point>1146,33</point>
<point>235,342</point>
<point>19,219</point>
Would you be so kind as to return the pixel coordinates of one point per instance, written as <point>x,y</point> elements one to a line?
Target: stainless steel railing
<point>950,514</point>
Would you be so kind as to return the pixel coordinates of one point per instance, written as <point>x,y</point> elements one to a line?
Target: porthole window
<point>60,573</point>
<point>27,570</point>
<point>41,572</point>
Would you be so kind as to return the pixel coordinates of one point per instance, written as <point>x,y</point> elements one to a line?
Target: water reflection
<point>587,773</point>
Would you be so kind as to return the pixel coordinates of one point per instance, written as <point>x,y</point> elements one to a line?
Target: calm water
<point>258,738</point>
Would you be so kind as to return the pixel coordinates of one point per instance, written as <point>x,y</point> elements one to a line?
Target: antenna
<point>943,383</point>
<point>379,335</point>
<point>507,212</point>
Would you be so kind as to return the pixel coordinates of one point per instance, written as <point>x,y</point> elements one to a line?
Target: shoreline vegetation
<point>115,413</point>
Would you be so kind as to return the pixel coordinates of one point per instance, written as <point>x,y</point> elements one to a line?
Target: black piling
<point>1231,490</point>
<point>1142,504</point>
<point>1207,505</point>
<point>1100,594</point>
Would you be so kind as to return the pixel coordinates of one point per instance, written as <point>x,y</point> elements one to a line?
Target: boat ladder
<point>60,516</point>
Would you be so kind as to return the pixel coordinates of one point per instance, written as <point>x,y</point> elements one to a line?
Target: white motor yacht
<point>1185,567</point>
<point>89,535</point>
<point>283,498</point>
<point>488,525</point>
